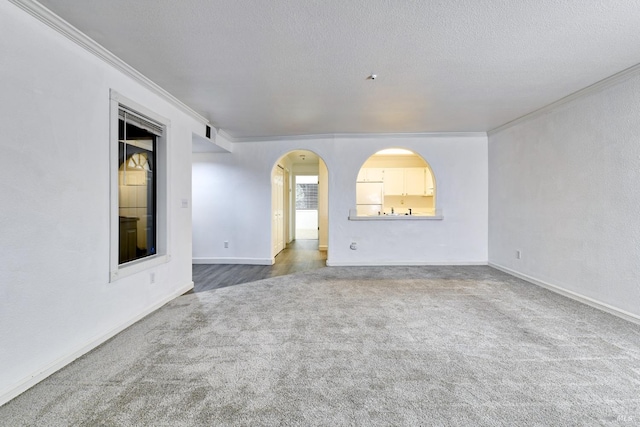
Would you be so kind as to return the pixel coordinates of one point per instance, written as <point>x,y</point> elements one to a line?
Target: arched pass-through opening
<point>394,182</point>
<point>299,202</point>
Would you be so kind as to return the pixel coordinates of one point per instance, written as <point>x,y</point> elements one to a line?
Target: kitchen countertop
<point>396,217</point>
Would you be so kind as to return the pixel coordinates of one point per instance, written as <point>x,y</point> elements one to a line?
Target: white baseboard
<point>33,379</point>
<point>399,263</point>
<point>223,260</point>
<point>570,294</point>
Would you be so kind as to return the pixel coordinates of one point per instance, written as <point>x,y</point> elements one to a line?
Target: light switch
<point>185,203</point>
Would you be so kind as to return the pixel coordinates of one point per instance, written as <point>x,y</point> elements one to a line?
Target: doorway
<point>306,198</point>
<point>300,201</point>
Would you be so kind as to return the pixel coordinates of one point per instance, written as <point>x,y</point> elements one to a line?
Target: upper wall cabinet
<point>400,181</point>
<point>371,174</point>
<point>407,182</point>
<point>415,181</point>
<point>394,182</point>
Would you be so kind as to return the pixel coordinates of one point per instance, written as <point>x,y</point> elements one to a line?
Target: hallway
<point>298,256</point>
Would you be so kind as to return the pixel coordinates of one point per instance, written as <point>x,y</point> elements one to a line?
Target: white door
<point>277,198</point>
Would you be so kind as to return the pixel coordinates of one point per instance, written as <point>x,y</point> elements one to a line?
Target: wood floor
<point>300,255</point>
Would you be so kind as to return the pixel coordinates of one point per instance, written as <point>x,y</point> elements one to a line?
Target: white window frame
<point>162,255</point>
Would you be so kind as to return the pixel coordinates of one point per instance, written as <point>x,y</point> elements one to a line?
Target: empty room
<point>320,212</point>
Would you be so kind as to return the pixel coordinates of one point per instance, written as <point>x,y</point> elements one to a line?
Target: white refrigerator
<point>369,198</point>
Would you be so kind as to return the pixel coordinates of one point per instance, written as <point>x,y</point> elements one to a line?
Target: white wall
<point>563,189</point>
<point>232,197</point>
<point>55,297</point>
<point>323,206</point>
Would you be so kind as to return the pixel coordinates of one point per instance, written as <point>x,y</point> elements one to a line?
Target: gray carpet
<point>441,346</point>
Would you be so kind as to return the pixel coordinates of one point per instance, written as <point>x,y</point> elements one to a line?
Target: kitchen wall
<point>563,190</point>
<point>242,180</point>
<point>56,301</point>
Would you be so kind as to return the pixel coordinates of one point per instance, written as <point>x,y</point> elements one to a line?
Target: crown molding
<point>52,20</point>
<point>353,136</point>
<point>225,135</point>
<point>596,87</point>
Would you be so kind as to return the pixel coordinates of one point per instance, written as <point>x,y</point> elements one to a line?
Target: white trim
<point>31,380</point>
<point>570,294</point>
<point>137,266</point>
<point>323,248</point>
<point>353,136</point>
<point>223,133</point>
<point>401,263</point>
<point>225,260</point>
<point>49,18</point>
<point>596,87</point>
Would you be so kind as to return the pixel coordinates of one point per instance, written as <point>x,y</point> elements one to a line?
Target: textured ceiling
<point>260,68</point>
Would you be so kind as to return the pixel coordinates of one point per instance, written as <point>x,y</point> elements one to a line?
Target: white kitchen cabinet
<point>371,174</point>
<point>414,181</point>
<point>400,181</point>
<point>394,182</point>
<point>375,174</point>
<point>405,182</point>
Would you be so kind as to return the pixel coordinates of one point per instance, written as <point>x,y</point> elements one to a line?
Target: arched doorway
<point>300,201</point>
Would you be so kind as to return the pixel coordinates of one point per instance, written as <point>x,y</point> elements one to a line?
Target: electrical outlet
<point>518,255</point>
<point>226,244</point>
<point>152,278</point>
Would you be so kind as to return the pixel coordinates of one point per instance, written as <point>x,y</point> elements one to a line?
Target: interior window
<point>395,182</point>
